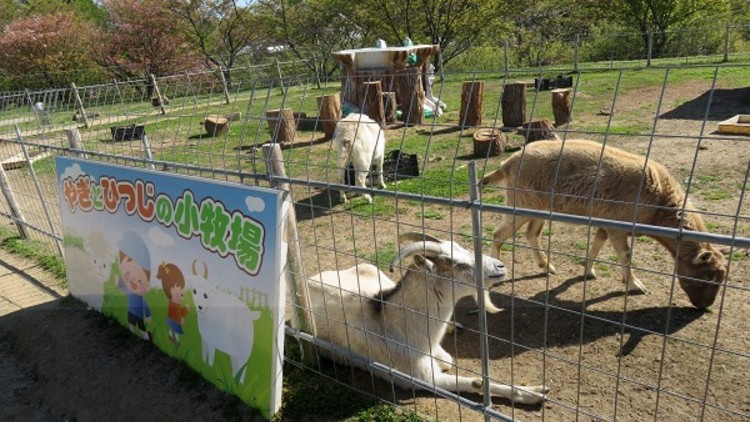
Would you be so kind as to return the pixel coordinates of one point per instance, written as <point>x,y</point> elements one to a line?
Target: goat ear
<point>703,257</point>
<point>423,263</point>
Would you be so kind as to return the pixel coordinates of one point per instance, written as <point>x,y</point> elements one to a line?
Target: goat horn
<point>417,237</point>
<point>194,272</point>
<point>429,248</point>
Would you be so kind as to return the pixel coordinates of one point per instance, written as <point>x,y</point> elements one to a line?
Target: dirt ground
<point>602,353</point>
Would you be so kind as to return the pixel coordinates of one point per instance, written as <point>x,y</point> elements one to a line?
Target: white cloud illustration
<point>160,238</point>
<point>73,172</point>
<point>255,204</point>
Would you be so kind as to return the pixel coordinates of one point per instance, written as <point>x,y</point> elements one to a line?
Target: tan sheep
<point>609,186</point>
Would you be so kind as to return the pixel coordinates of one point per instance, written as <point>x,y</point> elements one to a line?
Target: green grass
<point>34,250</point>
<point>716,194</point>
<point>430,215</point>
<point>383,256</point>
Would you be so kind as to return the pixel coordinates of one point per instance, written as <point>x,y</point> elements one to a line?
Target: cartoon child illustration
<point>173,283</point>
<point>135,265</point>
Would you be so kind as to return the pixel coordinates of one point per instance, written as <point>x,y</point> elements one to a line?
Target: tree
<point>46,45</point>
<point>143,38</point>
<point>316,28</point>
<point>660,16</point>
<point>454,25</point>
<point>221,30</point>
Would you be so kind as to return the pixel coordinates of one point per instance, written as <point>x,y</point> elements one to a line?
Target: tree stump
<point>329,110</point>
<point>488,143</point>
<point>471,104</point>
<point>410,95</point>
<point>282,126</point>
<point>514,104</point>
<point>389,106</point>
<point>371,95</point>
<point>539,130</point>
<point>561,106</point>
<point>215,124</point>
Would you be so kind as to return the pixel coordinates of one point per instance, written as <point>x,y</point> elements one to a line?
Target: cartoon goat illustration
<point>224,321</point>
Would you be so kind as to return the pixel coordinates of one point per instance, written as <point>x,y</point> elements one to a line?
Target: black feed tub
<point>127,133</point>
<point>396,166</point>
<point>543,84</point>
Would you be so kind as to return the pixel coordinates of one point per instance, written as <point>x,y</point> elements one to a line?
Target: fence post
<point>650,47</point>
<point>281,76</point>
<point>726,43</point>
<point>75,141</point>
<point>224,84</point>
<point>15,209</point>
<point>575,53</point>
<point>158,93</point>
<point>79,105</point>
<point>147,151</point>
<point>37,113</point>
<point>476,228</point>
<point>117,89</point>
<point>302,318</point>
<point>38,188</point>
<point>505,55</point>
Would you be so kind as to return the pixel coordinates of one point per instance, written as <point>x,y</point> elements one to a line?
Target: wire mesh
<point>603,352</point>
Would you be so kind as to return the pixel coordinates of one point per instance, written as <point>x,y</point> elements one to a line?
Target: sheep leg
<point>362,182</point>
<point>533,230</point>
<point>599,240</point>
<point>342,172</point>
<point>379,164</point>
<point>620,242</point>
<point>518,394</point>
<point>509,225</point>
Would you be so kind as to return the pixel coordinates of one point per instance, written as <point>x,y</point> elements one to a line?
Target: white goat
<point>402,324</point>
<point>585,178</point>
<point>361,141</point>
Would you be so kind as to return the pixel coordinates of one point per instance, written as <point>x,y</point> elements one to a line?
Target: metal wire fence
<point>604,353</point>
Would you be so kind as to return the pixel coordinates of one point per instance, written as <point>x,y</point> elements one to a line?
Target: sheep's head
<point>702,274</point>
<point>450,261</point>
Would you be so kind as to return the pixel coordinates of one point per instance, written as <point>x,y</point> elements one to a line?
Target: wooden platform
<point>737,125</point>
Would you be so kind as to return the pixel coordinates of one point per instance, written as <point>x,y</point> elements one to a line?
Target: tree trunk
<point>410,95</point>
<point>282,126</point>
<point>561,103</point>
<point>215,125</point>
<point>329,110</point>
<point>488,143</point>
<point>539,130</point>
<point>514,104</point>
<point>371,95</point>
<point>389,106</point>
<point>471,104</point>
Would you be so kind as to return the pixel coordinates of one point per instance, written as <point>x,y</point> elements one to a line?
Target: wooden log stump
<point>282,126</point>
<point>410,95</point>
<point>371,96</point>
<point>472,94</point>
<point>329,110</point>
<point>514,104</point>
<point>389,106</point>
<point>488,143</point>
<point>539,130</point>
<point>215,124</point>
<point>561,106</point>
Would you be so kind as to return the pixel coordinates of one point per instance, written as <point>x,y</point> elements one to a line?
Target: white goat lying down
<point>573,169</point>
<point>401,324</point>
<point>361,141</point>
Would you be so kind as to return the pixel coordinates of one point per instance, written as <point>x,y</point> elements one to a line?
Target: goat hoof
<point>530,394</point>
<point>636,286</point>
<point>548,268</point>
<point>368,198</point>
<point>589,274</point>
